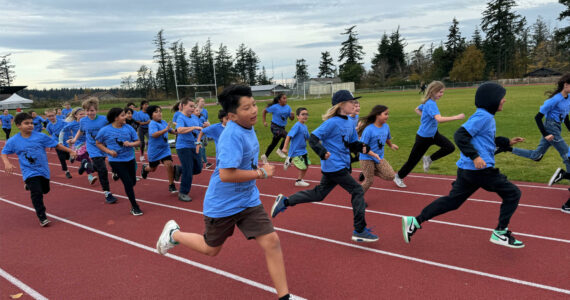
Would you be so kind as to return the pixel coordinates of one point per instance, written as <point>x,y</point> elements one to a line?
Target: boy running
<point>298,136</point>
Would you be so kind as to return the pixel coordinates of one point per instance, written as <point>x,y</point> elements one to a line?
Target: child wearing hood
<point>476,168</point>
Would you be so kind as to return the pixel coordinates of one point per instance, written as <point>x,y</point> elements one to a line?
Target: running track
<point>94,250</point>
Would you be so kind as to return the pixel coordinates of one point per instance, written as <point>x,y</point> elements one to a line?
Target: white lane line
<point>24,287</point>
<point>153,250</point>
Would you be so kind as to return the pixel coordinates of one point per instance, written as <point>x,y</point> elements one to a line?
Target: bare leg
<point>195,242</point>
<point>302,174</point>
<point>275,263</point>
<point>169,171</point>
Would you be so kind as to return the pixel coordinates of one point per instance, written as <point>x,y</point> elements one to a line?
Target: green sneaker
<point>409,227</point>
<point>504,238</point>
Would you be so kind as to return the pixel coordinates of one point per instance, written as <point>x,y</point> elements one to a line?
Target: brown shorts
<point>252,222</point>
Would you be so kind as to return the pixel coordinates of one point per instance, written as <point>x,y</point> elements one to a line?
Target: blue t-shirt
<point>299,135</point>
<point>90,128</point>
<point>65,112</point>
<point>354,119</point>
<point>214,131</point>
<point>175,116</point>
<point>280,114</point>
<point>376,138</point>
<point>481,126</point>
<point>38,123</point>
<point>238,148</point>
<point>556,108</point>
<point>69,130</point>
<point>335,134</point>
<point>157,147</point>
<point>204,114</point>
<point>114,137</point>
<point>141,116</point>
<point>31,153</point>
<point>428,126</point>
<point>54,129</point>
<point>6,121</point>
<point>188,139</point>
<point>60,117</point>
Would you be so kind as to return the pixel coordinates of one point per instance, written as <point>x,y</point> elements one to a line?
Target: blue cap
<point>341,96</point>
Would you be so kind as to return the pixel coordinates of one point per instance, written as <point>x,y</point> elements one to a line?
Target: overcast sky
<point>73,43</point>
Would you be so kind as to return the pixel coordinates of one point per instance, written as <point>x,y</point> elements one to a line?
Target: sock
<point>299,180</point>
<point>499,228</point>
<point>172,241</point>
<point>286,297</point>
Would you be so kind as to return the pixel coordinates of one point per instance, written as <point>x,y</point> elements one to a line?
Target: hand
<point>285,150</point>
<point>375,156</point>
<point>479,163</point>
<point>198,149</point>
<point>112,153</point>
<point>73,154</point>
<point>269,169</point>
<point>172,124</point>
<point>327,155</point>
<point>9,168</point>
<point>265,123</point>
<point>460,116</point>
<point>516,140</point>
<point>206,124</point>
<point>394,147</point>
<point>549,137</point>
<point>70,142</point>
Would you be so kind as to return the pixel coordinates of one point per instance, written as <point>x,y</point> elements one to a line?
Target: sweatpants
<point>126,170</point>
<point>7,132</point>
<point>327,184</point>
<point>421,146</point>
<point>38,186</point>
<point>100,166</point>
<point>469,181</point>
<point>142,132</point>
<point>191,165</point>
<point>279,133</point>
<point>63,157</point>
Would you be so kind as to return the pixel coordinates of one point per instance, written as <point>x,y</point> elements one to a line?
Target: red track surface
<point>95,250</point>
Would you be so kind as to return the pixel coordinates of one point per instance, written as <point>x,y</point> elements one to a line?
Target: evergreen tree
<point>195,64</point>
<point>7,74</point>
<point>351,53</point>
<point>562,35</point>
<point>326,66</point>
<point>161,57</point>
<point>380,66</point>
<point>396,55</point>
<point>301,71</point>
<point>224,65</point>
<point>476,38</point>
<point>207,62</point>
<point>240,65</point>
<point>540,32</point>
<point>262,77</point>
<point>252,62</point>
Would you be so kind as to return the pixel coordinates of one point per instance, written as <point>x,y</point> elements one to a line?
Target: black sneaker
<point>68,175</point>
<point>71,160</point>
<point>135,211</point>
<point>44,222</point>
<point>144,173</point>
<point>209,165</point>
<point>361,177</point>
<point>566,207</point>
<point>115,176</point>
<point>110,199</point>
<point>409,226</point>
<point>539,158</point>
<point>26,187</point>
<point>557,176</point>
<point>82,167</point>
<point>177,172</point>
<point>172,188</point>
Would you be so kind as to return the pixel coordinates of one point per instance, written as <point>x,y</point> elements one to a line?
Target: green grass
<point>517,119</point>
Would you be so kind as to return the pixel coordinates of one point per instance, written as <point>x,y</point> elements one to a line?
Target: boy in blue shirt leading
<point>30,146</point>
<point>476,168</point>
<point>232,198</point>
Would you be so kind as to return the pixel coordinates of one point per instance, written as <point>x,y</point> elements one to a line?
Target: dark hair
<point>31,111</point>
<point>144,102</point>
<point>229,98</point>
<point>113,114</point>
<point>21,117</point>
<point>559,85</point>
<point>131,103</point>
<point>176,107</point>
<point>151,109</point>
<point>127,109</point>
<point>221,114</point>
<point>184,101</point>
<point>371,117</point>
<point>276,99</point>
<point>299,110</point>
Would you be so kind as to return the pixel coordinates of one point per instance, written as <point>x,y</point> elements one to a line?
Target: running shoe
<point>109,198</point>
<point>557,176</point>
<point>135,211</point>
<point>209,165</point>
<point>505,238</point>
<point>301,182</point>
<point>184,197</point>
<point>92,179</point>
<point>115,176</point>
<point>409,227</point>
<point>263,159</point>
<point>399,182</point>
<point>278,206</point>
<point>566,207</point>
<point>281,153</point>
<point>172,188</point>
<point>361,177</point>
<point>365,236</point>
<point>44,222</point>
<point>165,241</point>
<point>287,163</point>
<point>144,172</point>
<point>68,175</point>
<point>427,163</point>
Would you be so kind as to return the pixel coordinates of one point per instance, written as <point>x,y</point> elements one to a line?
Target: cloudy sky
<point>75,43</point>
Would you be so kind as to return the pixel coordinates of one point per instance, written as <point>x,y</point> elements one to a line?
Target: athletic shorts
<point>301,162</point>
<point>252,222</point>
<point>278,130</point>
<point>154,164</point>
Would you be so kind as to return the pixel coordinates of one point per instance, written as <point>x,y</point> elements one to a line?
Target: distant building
<point>268,90</point>
<point>325,80</point>
<point>99,95</point>
<point>7,91</point>
<point>543,72</point>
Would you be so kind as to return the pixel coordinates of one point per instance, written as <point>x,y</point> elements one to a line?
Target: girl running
<point>186,147</point>
<point>428,134</point>
<point>280,111</point>
<point>202,122</point>
<point>7,120</point>
<point>298,136</point>
<point>69,130</point>
<point>54,129</point>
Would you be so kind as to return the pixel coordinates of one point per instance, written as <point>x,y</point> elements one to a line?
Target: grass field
<point>517,119</point>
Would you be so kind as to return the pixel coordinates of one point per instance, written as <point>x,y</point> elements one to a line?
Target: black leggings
<point>126,170</point>
<point>7,132</point>
<point>278,133</point>
<point>63,157</point>
<point>101,167</point>
<point>421,146</point>
<point>38,186</point>
<point>142,132</point>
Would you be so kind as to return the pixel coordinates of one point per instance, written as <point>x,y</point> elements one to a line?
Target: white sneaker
<point>264,159</point>
<point>399,182</point>
<point>287,163</point>
<point>142,158</point>
<point>301,183</point>
<point>281,153</point>
<point>427,163</point>
<point>164,242</point>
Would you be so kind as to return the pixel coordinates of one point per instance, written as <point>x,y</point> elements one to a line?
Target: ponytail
<point>559,85</point>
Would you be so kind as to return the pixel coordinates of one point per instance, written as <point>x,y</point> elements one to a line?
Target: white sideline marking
<point>153,250</point>
<point>24,287</point>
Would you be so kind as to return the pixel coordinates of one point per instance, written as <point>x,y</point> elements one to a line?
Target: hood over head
<point>489,96</point>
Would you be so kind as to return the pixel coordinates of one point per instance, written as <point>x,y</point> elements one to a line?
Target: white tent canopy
<point>15,101</point>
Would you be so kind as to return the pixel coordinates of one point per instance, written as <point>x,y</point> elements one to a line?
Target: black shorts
<point>252,222</point>
<point>154,164</point>
<point>278,130</point>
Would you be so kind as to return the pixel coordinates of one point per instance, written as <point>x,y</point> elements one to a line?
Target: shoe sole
<point>92,182</point>
<point>505,245</point>
<point>364,240</point>
<point>405,230</point>
<point>163,233</point>
<point>45,224</point>
<point>279,199</point>
<point>551,181</point>
<point>565,211</point>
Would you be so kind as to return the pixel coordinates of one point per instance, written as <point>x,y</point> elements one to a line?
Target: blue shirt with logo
<point>157,147</point>
<point>113,139</point>
<point>141,116</point>
<point>376,138</point>
<point>335,134</point>
<point>556,108</point>
<point>214,131</point>
<point>54,129</point>
<point>65,112</point>
<point>175,116</point>
<point>31,153</point>
<point>91,128</point>
<point>280,114</point>
<point>299,134</point>
<point>188,139</point>
<point>38,123</point>
<point>69,130</point>
<point>481,126</point>
<point>428,126</point>
<point>6,121</point>
<point>237,148</point>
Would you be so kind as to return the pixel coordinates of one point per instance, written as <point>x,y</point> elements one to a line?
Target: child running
<point>54,129</point>
<point>7,120</point>
<point>202,122</point>
<point>428,134</point>
<point>280,111</point>
<point>69,131</point>
<point>30,146</point>
<point>158,148</point>
<point>67,110</point>
<point>354,115</point>
<point>376,133</point>
<point>143,120</point>
<point>214,131</point>
<point>232,197</point>
<point>116,140</point>
<point>186,147</point>
<point>38,121</point>
<point>338,137</point>
<point>90,126</point>
<point>297,154</point>
<point>476,168</point>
